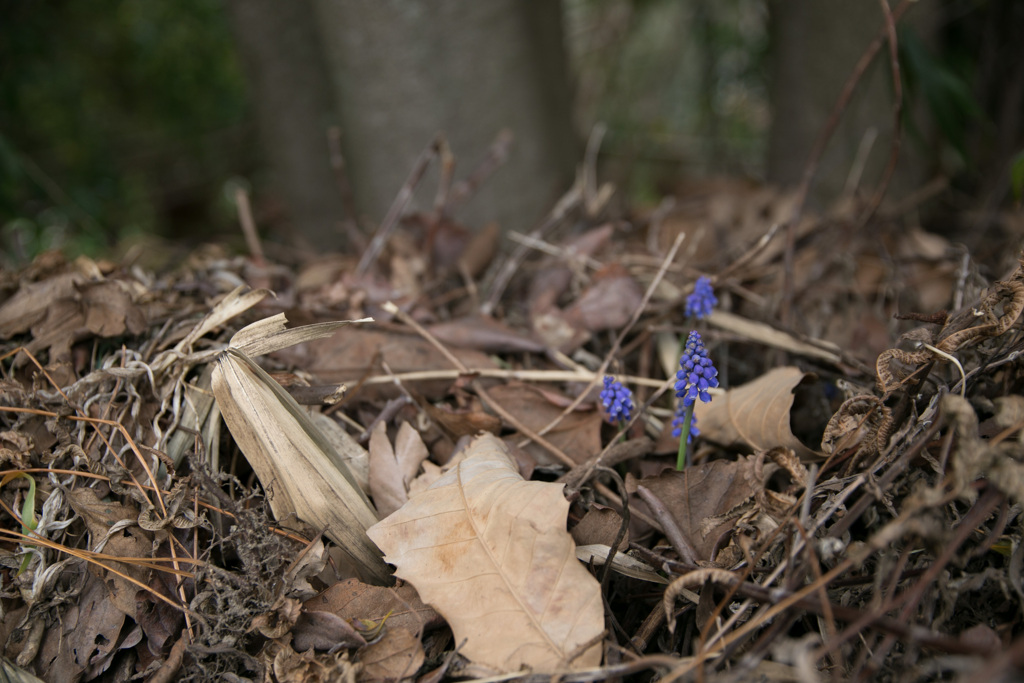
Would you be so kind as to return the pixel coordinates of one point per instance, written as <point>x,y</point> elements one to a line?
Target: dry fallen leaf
<point>289,454</point>
<point>395,657</point>
<point>348,358</point>
<point>360,603</point>
<point>756,414</point>
<point>578,434</point>
<point>490,552</point>
<point>113,529</point>
<point>484,334</point>
<point>392,469</point>
<point>83,642</point>
<point>701,492</point>
<point>608,303</point>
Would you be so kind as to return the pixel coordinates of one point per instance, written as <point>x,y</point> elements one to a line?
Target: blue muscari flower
<point>679,419</point>
<point>617,400</point>
<point>698,373</point>
<point>702,300</point>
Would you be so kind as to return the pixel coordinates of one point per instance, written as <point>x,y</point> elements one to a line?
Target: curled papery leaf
<point>288,453</point>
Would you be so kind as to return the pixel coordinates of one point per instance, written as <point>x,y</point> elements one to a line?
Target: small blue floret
<point>617,400</point>
<point>700,303</point>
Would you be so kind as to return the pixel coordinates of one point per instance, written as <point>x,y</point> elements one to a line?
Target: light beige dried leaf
<point>386,485</point>
<point>234,303</point>
<point>270,334</point>
<point>303,473</point>
<point>756,414</point>
<point>490,552</point>
<point>410,451</point>
<point>355,456</point>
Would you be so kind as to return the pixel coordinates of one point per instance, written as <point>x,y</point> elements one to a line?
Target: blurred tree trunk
<point>403,70</point>
<point>288,82</point>
<point>815,46</point>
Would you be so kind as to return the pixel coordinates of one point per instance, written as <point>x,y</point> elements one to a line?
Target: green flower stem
<point>684,436</point>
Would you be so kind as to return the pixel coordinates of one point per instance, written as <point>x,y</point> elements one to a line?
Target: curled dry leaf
<point>393,469</point>
<point>290,456</point>
<point>490,552</point>
<point>756,414</point>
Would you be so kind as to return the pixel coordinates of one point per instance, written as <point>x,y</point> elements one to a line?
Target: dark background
<point>124,121</point>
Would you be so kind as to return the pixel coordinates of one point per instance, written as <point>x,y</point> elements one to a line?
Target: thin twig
<point>397,208</point>
<point>340,173</point>
<point>497,155</point>
<point>252,238</point>
<point>675,535</point>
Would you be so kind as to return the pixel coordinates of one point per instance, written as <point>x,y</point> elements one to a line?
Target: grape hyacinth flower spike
<point>617,401</point>
<point>700,303</point>
<point>696,376</point>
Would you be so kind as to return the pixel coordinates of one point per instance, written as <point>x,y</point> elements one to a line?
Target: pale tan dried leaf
<point>430,474</point>
<point>354,456</point>
<point>270,334</point>
<point>669,352</point>
<point>490,552</point>
<point>756,414</point>
<point>410,451</point>
<point>198,401</point>
<point>236,302</point>
<point>386,485</point>
<point>293,460</point>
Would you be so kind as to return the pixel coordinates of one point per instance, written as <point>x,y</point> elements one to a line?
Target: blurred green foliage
<point>941,81</point>
<point>682,87</point>
<point>113,113</point>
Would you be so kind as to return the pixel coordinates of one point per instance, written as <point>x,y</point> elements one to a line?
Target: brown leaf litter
<point>852,510</point>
